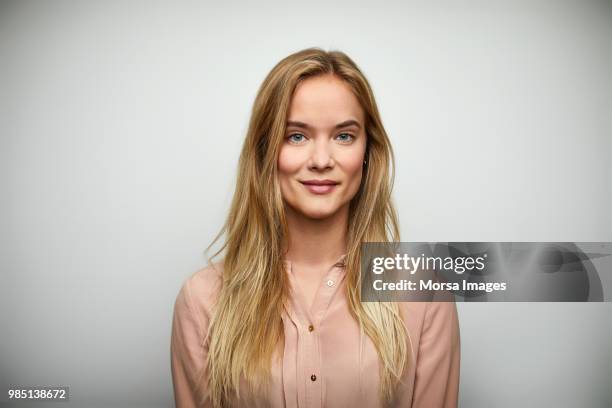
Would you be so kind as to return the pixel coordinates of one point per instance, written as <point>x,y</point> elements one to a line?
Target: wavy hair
<point>246,326</point>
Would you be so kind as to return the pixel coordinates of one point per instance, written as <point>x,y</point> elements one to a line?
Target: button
<point>313,377</point>
<point>310,328</point>
<point>330,283</point>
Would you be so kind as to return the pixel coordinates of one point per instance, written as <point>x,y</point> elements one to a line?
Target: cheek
<point>288,161</point>
<point>288,165</point>
<point>356,176</point>
<point>353,165</point>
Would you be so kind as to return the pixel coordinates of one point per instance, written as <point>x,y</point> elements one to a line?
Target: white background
<point>121,124</point>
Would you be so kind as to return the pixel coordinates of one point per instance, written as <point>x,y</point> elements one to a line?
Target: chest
<point>327,361</point>
<point>307,288</point>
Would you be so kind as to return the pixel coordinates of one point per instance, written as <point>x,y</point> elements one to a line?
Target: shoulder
<point>439,318</point>
<point>413,315</point>
<point>421,313</point>
<point>199,292</point>
<point>206,282</point>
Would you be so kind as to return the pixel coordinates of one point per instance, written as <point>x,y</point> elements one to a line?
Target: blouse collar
<point>340,262</point>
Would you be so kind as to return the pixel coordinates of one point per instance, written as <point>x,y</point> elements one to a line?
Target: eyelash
<point>343,133</point>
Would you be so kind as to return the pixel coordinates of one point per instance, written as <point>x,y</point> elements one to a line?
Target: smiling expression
<point>320,163</point>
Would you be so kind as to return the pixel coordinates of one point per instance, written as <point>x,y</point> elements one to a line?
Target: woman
<point>279,322</point>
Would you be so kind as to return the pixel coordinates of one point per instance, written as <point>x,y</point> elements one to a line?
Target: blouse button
<point>330,283</point>
<point>313,377</point>
<point>310,328</point>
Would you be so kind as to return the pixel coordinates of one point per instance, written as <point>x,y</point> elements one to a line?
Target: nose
<point>321,155</point>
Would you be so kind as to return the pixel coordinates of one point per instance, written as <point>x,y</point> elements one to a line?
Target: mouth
<point>320,186</point>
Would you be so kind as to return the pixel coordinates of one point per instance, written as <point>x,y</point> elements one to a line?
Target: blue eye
<point>296,137</point>
<point>345,137</point>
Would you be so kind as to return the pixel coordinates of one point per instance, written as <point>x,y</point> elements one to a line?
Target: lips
<point>320,186</point>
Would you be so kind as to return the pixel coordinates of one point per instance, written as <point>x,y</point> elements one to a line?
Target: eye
<point>345,137</point>
<point>296,138</point>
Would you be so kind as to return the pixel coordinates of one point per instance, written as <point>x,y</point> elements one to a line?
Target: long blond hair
<point>246,326</point>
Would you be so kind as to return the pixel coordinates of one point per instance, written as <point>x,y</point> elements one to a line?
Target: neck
<point>316,241</point>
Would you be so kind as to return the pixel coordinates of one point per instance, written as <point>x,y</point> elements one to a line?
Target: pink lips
<point>320,186</point>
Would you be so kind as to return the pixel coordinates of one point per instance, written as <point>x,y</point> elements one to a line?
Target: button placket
<point>308,361</point>
<point>322,302</point>
<point>313,390</point>
<point>330,284</point>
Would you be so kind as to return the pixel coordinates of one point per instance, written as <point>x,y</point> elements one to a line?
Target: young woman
<point>279,322</point>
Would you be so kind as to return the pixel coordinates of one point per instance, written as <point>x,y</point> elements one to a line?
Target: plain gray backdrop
<point>121,124</point>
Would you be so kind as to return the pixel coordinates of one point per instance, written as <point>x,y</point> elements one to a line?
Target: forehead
<point>324,101</point>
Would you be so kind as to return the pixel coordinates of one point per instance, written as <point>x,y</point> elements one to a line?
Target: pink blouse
<point>325,361</point>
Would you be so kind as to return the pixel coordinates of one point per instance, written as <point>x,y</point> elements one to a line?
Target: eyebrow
<point>346,123</point>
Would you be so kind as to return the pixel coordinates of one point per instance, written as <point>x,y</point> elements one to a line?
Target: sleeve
<point>437,371</point>
<point>188,352</point>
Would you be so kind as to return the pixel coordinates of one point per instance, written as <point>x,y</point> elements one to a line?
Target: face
<point>320,164</point>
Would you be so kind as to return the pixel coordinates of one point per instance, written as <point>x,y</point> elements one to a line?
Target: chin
<point>317,213</point>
